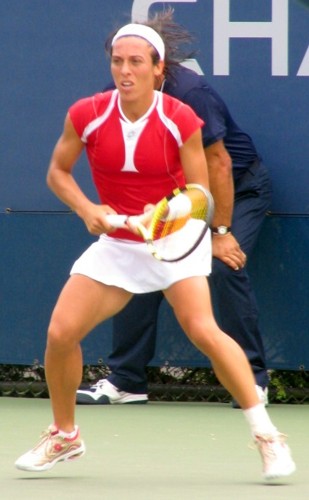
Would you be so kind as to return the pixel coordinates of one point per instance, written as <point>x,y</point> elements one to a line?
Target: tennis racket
<point>175,226</point>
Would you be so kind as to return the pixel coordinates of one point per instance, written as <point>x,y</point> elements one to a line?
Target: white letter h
<point>276,30</point>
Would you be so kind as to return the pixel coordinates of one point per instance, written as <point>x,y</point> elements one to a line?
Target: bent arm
<point>221,182</point>
<point>225,248</point>
<point>193,160</point>
<point>61,181</point>
<point>59,176</point>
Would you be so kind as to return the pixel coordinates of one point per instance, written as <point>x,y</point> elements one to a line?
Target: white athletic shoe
<point>51,448</point>
<point>105,393</point>
<point>276,456</point>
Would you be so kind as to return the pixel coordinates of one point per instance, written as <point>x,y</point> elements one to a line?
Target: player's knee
<point>204,334</point>
<point>60,337</point>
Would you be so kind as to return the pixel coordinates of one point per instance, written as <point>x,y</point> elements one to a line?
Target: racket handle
<point>117,220</point>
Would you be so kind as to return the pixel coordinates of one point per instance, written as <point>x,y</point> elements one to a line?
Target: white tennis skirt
<point>129,265</point>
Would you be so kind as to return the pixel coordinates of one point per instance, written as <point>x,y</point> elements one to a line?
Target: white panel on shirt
<point>131,132</point>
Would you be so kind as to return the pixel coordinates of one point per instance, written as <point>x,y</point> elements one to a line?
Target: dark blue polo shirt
<point>193,89</point>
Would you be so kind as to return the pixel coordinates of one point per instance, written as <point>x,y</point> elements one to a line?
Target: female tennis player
<point>141,144</point>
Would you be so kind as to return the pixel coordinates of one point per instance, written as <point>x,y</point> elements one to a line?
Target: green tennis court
<point>152,452</point>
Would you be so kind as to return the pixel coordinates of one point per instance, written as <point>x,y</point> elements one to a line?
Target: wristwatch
<point>222,230</point>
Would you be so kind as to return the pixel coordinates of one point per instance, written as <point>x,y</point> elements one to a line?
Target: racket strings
<point>162,229</point>
<point>174,236</point>
<point>199,204</point>
<point>166,220</point>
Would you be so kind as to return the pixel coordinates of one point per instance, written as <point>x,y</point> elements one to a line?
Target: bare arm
<point>61,181</point>
<point>194,161</point>
<point>225,248</point>
<point>221,182</point>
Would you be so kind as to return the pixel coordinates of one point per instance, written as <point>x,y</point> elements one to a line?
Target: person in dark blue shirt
<point>241,188</point>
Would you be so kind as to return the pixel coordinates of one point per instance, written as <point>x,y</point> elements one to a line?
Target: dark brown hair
<point>175,37</point>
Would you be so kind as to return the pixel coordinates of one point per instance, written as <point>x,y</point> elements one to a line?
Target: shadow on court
<point>159,451</point>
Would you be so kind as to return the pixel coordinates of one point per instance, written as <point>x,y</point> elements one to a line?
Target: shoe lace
<point>50,431</point>
<point>46,435</point>
<point>265,444</point>
<point>99,384</point>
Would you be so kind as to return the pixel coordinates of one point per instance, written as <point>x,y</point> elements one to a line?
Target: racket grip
<point>117,220</point>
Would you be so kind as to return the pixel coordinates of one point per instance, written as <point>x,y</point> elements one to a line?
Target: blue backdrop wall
<point>255,53</point>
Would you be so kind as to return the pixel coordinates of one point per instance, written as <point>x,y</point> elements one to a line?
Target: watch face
<point>222,230</point>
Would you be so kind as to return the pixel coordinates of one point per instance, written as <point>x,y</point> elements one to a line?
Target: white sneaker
<point>51,448</point>
<point>105,393</point>
<point>276,456</point>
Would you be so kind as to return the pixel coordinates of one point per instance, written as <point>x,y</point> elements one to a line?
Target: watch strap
<point>221,229</point>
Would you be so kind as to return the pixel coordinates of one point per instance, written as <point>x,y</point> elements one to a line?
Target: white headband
<point>145,32</point>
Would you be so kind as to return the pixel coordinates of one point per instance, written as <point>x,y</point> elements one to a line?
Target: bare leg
<point>190,299</point>
<point>82,304</point>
